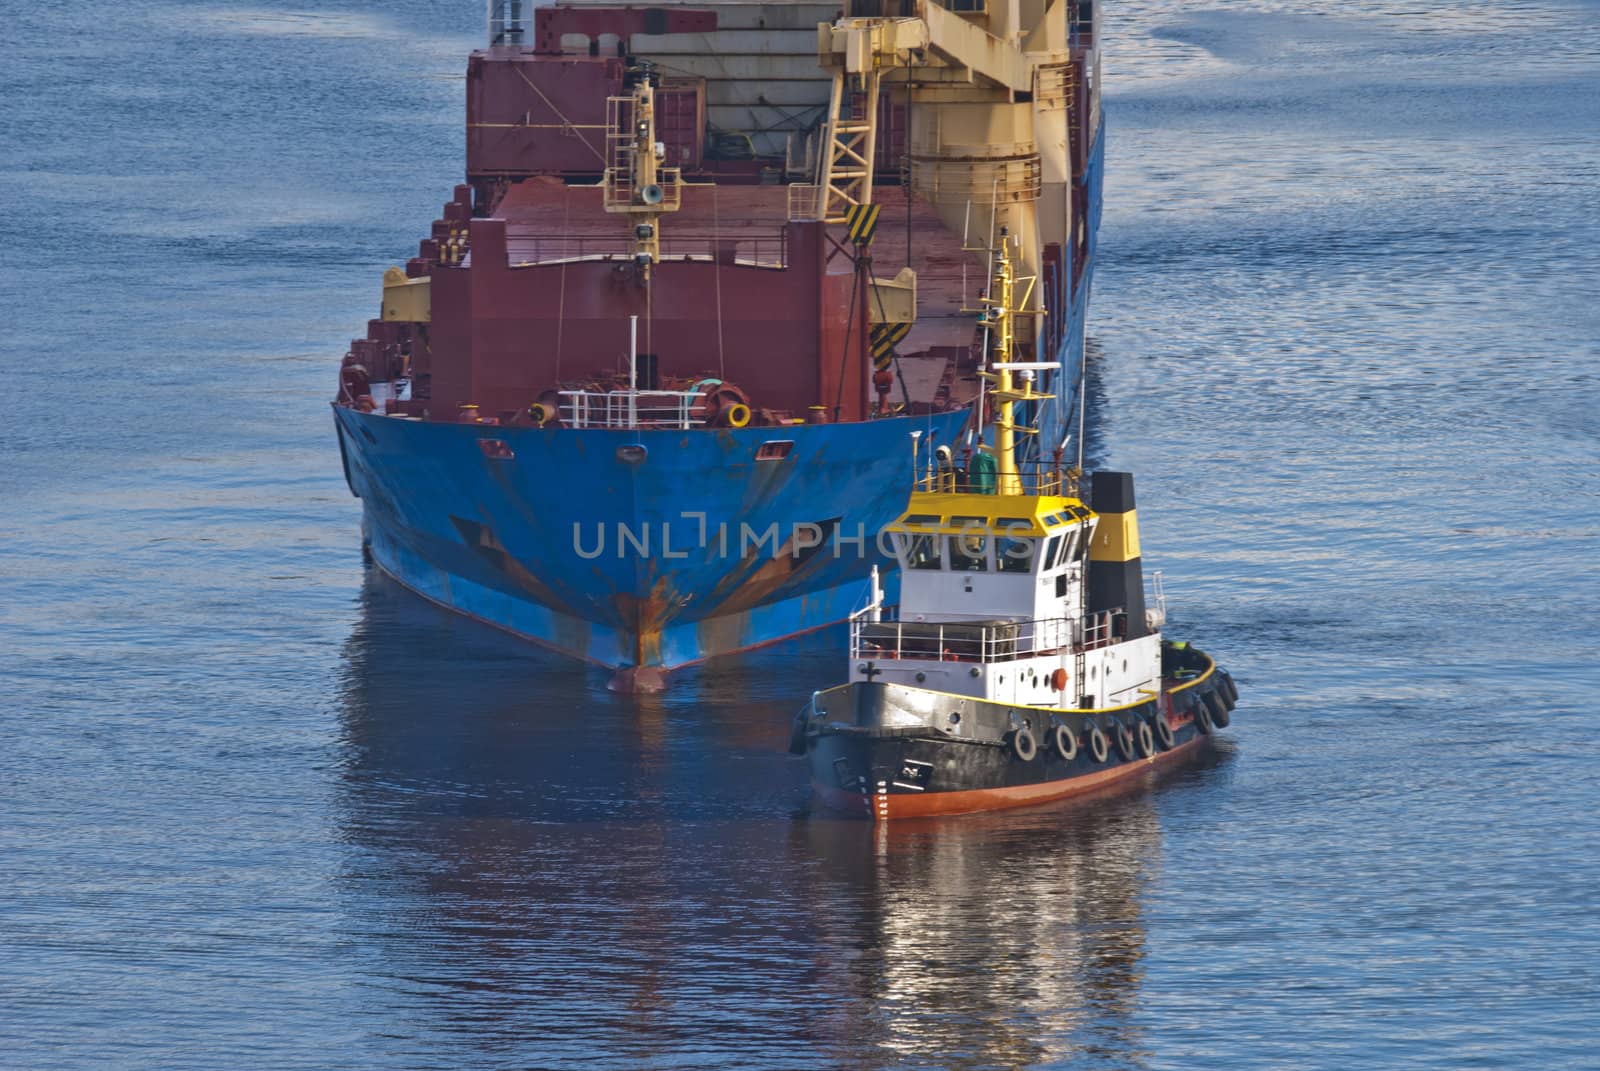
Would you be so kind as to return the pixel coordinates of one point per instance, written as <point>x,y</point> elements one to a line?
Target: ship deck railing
<point>671,409</point>
<point>1034,479</point>
<point>983,641</point>
<point>751,251</point>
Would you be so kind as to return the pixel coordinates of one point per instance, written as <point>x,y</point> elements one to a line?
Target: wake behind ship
<point>650,388</point>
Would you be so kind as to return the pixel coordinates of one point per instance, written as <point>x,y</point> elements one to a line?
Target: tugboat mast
<point>1000,308</point>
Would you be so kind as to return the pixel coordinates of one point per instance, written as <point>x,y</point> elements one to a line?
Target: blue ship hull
<point>697,549</point>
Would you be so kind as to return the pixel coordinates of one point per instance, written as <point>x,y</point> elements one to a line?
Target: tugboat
<point>1024,662</point>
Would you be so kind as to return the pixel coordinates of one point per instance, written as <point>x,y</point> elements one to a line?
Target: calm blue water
<point>260,809</point>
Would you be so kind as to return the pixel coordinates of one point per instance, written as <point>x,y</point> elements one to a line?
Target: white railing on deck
<point>979,641</point>
<point>630,409</point>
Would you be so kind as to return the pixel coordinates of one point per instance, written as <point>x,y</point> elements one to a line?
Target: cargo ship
<point>1025,661</point>
<point>652,385</point>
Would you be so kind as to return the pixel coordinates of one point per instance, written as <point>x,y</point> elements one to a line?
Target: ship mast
<point>1000,308</point>
<point>636,184</point>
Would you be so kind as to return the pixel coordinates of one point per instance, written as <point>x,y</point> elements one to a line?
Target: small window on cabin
<point>969,553</point>
<point>921,551</point>
<point>1068,544</point>
<point>1014,555</point>
<point>1052,553</point>
<point>775,450</point>
<point>922,518</point>
<point>1083,544</point>
<point>969,522</point>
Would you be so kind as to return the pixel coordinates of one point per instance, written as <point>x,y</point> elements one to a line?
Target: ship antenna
<point>994,210</point>
<point>561,301</point>
<point>633,371</point>
<point>966,227</point>
<point>1083,394</point>
<point>716,271</point>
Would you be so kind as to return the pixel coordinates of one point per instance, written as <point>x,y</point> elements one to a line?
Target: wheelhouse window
<point>1013,554</point>
<point>1052,552</point>
<point>1069,541</point>
<point>969,553</point>
<point>920,551</point>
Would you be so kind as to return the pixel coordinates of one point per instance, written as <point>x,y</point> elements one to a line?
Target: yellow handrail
<point>1211,667</point>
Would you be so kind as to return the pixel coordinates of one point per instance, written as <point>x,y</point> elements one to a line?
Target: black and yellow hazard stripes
<point>861,221</point>
<point>883,338</point>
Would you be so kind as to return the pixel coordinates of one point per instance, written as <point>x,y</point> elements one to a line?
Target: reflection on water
<point>591,876</point>
<point>999,941</point>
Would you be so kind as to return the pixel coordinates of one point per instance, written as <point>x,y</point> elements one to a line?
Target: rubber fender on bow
<point>1227,689</point>
<point>1202,719</point>
<point>1125,745</point>
<point>1164,735</point>
<point>1023,745</point>
<point>1064,740</point>
<point>1146,739</point>
<point>1219,709</point>
<point>1099,746</point>
<point>797,735</point>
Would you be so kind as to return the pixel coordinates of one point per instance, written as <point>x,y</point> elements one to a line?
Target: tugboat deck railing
<point>981,641</point>
<point>1035,478</point>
